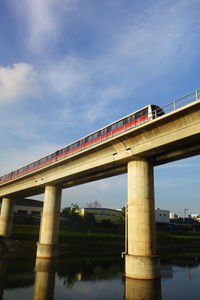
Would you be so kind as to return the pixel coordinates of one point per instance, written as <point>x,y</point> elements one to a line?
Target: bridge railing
<point>181,101</point>
<point>178,103</point>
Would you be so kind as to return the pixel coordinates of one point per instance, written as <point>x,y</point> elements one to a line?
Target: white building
<point>196,217</point>
<point>27,207</point>
<point>102,214</point>
<point>162,216</point>
<point>173,216</point>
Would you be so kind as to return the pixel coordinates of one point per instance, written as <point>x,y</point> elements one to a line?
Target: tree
<point>122,215</point>
<point>70,210</point>
<point>94,204</point>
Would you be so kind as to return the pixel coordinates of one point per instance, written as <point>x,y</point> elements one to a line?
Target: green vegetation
<point>99,240</point>
<point>25,232</point>
<point>178,235</point>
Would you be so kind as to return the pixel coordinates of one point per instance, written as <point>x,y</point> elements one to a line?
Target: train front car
<point>154,111</point>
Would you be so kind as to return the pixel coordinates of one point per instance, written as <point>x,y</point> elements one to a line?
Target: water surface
<point>95,278</point>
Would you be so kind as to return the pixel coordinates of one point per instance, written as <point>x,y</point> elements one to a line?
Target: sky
<point>69,67</point>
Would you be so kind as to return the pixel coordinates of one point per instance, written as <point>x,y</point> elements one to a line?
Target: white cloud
<point>16,82</point>
<point>66,75</point>
<point>144,50</point>
<point>44,19</point>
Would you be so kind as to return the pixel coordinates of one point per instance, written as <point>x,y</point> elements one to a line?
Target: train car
<point>147,113</point>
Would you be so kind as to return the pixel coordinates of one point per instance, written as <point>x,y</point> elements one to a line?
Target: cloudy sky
<point>69,67</point>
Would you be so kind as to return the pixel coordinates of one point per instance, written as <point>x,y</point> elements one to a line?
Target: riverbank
<point>99,241</point>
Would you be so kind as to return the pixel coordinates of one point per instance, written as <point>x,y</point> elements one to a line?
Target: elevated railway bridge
<point>136,150</point>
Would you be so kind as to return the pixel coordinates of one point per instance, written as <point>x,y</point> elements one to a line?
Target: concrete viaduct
<point>173,136</point>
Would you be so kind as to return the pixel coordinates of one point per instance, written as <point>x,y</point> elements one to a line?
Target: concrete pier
<point>44,279</point>
<point>6,218</point>
<point>141,262</point>
<point>49,227</point>
<point>142,289</point>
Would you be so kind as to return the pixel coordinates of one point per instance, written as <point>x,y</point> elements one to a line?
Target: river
<point>95,278</point>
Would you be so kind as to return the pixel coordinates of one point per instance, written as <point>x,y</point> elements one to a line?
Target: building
<point>196,217</point>
<point>173,216</point>
<point>28,207</point>
<point>102,214</point>
<point>162,216</point>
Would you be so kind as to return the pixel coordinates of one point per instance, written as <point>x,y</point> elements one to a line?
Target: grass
<point>178,236</point>
<point>31,232</point>
<point>103,241</point>
<point>25,232</point>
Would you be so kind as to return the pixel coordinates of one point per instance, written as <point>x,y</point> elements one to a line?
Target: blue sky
<point>69,67</point>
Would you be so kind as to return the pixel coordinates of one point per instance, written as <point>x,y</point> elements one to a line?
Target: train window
<point>95,136</point>
<point>103,131</point>
<point>146,111</point>
<point>54,154</point>
<point>77,144</point>
<point>65,149</point>
<point>114,126</point>
<point>131,118</point>
<point>120,124</point>
<point>139,114</point>
<point>125,121</point>
<point>70,147</point>
<point>61,151</point>
<point>85,140</point>
<point>157,111</point>
<point>109,129</point>
<point>90,138</point>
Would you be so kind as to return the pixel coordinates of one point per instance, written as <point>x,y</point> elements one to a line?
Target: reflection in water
<point>95,278</point>
<point>3,270</point>
<point>44,279</point>
<point>142,289</point>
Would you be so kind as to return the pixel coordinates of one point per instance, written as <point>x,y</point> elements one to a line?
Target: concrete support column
<point>44,279</point>
<point>142,289</point>
<point>141,262</point>
<point>6,218</point>
<point>49,227</point>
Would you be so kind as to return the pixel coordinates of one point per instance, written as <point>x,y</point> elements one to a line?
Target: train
<point>136,118</point>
